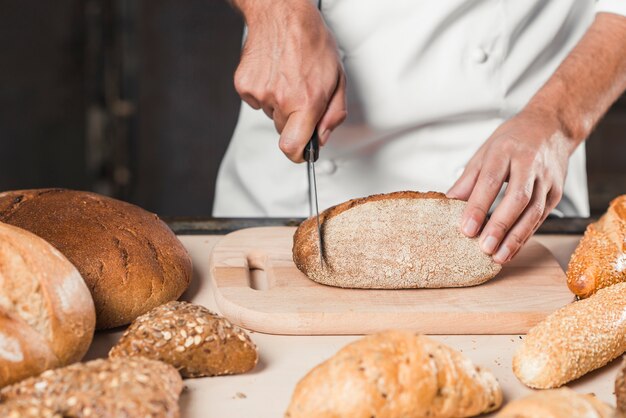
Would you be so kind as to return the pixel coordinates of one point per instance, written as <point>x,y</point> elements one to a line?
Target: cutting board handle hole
<point>257,274</point>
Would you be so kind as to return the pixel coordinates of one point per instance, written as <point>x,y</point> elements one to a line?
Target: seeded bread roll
<point>392,241</point>
<point>124,388</point>
<point>29,408</point>
<point>576,339</point>
<point>600,258</point>
<point>47,316</point>
<point>130,260</point>
<point>191,338</point>
<point>395,374</point>
<point>557,403</point>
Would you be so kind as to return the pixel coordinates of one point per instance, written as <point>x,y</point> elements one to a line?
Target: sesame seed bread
<point>557,403</point>
<point>196,341</point>
<point>600,258</point>
<point>574,340</point>
<point>47,316</point>
<point>395,374</point>
<point>130,260</point>
<point>392,241</point>
<point>29,408</point>
<point>124,388</point>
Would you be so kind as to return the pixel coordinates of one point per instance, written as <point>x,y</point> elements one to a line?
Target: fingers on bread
<point>196,341</point>
<point>47,316</point>
<point>600,258</point>
<point>395,373</point>
<point>130,260</point>
<point>392,241</point>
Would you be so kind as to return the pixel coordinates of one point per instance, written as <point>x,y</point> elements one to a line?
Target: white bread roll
<point>395,374</point>
<point>576,339</point>
<point>47,316</point>
<point>393,241</point>
<point>557,403</point>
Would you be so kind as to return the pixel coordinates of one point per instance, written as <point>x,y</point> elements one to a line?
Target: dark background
<point>134,99</point>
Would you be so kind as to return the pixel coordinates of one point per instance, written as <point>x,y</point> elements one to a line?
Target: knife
<point>311,154</point>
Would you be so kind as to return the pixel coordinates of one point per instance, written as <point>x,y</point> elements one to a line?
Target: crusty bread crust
<point>600,258</point>
<point>424,267</point>
<point>557,403</point>
<point>47,316</point>
<point>574,340</point>
<point>395,374</point>
<point>196,341</point>
<point>129,258</point>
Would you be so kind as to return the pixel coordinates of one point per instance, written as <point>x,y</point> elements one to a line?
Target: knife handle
<point>312,148</point>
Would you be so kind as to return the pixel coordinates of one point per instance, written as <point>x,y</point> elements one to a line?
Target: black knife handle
<point>312,148</point>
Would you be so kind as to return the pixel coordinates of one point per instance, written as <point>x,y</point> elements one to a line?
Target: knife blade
<point>311,154</point>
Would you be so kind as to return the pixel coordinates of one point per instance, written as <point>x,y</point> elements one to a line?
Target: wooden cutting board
<point>257,286</point>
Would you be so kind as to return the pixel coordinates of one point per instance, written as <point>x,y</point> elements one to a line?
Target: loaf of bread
<point>600,258</point>
<point>576,339</point>
<point>130,260</point>
<point>395,374</point>
<point>557,403</point>
<point>196,341</point>
<point>392,241</point>
<point>124,388</point>
<point>47,316</point>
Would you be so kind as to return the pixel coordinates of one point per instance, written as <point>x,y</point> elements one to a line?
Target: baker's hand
<point>290,68</point>
<point>531,153</point>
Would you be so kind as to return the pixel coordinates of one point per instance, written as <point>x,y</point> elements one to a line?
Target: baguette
<point>600,258</point>
<point>557,403</point>
<point>194,340</point>
<point>574,340</point>
<point>392,241</point>
<point>395,374</point>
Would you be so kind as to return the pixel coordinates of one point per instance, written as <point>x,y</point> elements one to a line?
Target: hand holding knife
<point>311,154</point>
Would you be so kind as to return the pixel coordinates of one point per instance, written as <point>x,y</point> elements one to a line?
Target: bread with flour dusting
<point>393,241</point>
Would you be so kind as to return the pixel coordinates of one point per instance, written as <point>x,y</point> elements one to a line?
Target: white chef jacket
<point>428,82</point>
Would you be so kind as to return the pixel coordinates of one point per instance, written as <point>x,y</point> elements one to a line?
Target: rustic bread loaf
<point>47,316</point>
<point>557,403</point>
<point>395,374</point>
<point>600,258</point>
<point>392,241</point>
<point>130,260</point>
<point>196,341</point>
<point>29,408</point>
<point>124,388</point>
<point>576,339</point>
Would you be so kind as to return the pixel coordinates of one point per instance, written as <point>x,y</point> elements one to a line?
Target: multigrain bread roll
<point>130,260</point>
<point>47,316</point>
<point>557,403</point>
<point>196,341</point>
<point>600,258</point>
<point>574,340</point>
<point>117,388</point>
<point>392,241</point>
<point>395,374</point>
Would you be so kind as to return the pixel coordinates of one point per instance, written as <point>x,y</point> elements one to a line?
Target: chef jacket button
<point>326,167</point>
<point>479,56</point>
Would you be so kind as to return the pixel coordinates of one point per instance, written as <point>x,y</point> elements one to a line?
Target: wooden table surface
<point>265,392</point>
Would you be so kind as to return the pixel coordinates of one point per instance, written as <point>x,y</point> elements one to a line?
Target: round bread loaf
<point>392,241</point>
<point>47,316</point>
<point>130,260</point>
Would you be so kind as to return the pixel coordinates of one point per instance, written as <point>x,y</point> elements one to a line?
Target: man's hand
<point>531,153</point>
<point>531,150</point>
<point>290,68</point>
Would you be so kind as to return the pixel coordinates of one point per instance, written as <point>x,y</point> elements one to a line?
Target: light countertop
<point>265,392</point>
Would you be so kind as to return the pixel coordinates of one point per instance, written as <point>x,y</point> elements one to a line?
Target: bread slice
<point>393,241</point>
<point>600,258</point>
